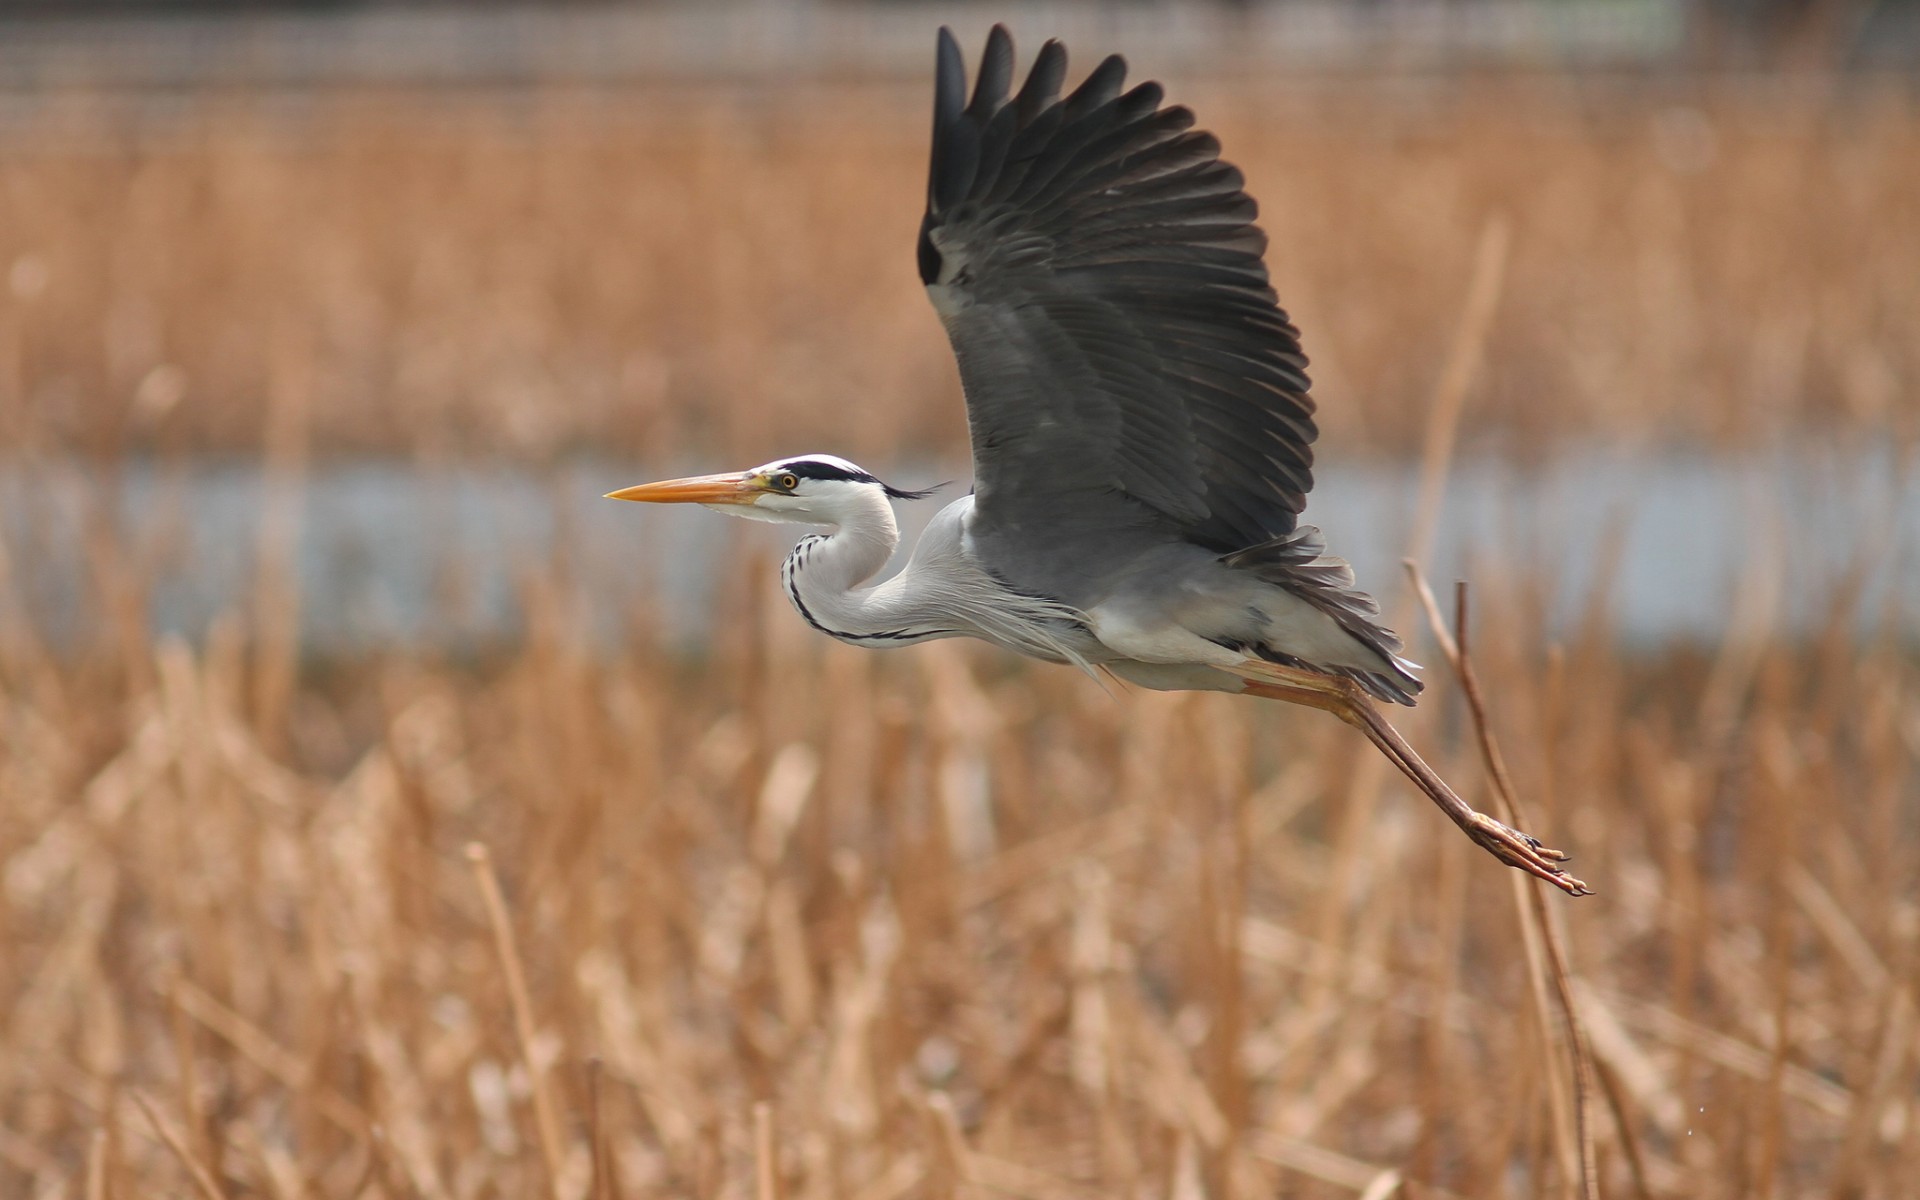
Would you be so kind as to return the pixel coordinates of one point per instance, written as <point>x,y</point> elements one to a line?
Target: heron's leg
<point>1344,699</point>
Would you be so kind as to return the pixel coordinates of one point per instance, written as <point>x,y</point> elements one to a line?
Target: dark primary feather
<point>1099,273</point>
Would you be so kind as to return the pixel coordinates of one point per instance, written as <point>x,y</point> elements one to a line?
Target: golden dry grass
<point>798,920</point>
<point>966,930</point>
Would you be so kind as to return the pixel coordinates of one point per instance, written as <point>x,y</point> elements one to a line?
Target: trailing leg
<point>1345,700</point>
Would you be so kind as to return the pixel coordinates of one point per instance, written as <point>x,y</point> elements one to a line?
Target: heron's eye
<point>789,482</point>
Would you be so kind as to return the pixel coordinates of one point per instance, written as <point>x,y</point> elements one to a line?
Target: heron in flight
<point>1142,434</point>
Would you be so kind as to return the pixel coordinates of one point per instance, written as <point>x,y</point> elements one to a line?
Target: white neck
<point>824,573</point>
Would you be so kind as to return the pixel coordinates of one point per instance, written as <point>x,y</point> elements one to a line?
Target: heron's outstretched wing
<point>1098,270</point>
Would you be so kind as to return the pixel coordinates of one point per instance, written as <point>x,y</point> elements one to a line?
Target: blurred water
<point>388,553</point>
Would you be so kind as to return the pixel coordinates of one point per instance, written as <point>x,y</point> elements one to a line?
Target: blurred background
<point>324,326</point>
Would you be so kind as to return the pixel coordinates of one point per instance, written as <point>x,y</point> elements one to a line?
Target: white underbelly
<point>1155,641</point>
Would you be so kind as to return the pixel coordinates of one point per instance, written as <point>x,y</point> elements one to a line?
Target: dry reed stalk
<point>766,1155</point>
<point>1369,1181</point>
<point>1624,1125</point>
<point>602,1185</point>
<point>546,1111</point>
<point>1546,953</point>
<point>259,1049</point>
<point>196,1170</point>
<point>198,1137</point>
<point>1767,1174</point>
<point>96,1187</point>
<point>1463,360</point>
<point>277,594</point>
<point>1820,1096</point>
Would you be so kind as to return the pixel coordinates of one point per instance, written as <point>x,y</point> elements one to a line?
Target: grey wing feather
<point>1126,365</point>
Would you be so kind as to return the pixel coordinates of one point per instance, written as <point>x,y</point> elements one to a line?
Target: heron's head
<point>810,489</point>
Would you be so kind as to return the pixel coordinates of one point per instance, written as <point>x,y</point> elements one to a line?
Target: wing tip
<point>1101,85</point>
<point>1042,88</point>
<point>950,168</point>
<point>996,75</point>
<point>949,79</point>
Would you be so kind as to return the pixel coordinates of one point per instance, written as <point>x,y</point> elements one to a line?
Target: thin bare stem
<point>1456,379</point>
<point>766,1154</point>
<point>1629,1137</point>
<point>262,1051</point>
<point>202,1178</point>
<point>545,1112</point>
<point>97,1166</point>
<point>603,1188</point>
<point>1542,940</point>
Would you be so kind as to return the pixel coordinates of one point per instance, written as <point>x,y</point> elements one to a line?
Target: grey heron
<point>1142,433</point>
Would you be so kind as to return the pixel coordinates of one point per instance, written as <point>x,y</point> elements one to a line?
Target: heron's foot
<point>1524,851</point>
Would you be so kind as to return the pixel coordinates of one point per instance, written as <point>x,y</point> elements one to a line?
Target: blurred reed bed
<point>808,921</point>
<point>534,273</point>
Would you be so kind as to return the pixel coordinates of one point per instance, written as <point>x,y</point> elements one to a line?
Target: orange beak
<point>737,488</point>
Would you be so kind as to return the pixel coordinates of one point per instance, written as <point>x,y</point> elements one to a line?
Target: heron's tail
<point>1299,562</point>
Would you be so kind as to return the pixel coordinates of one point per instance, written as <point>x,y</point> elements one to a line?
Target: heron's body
<point>1141,426</point>
<point>1177,619</point>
